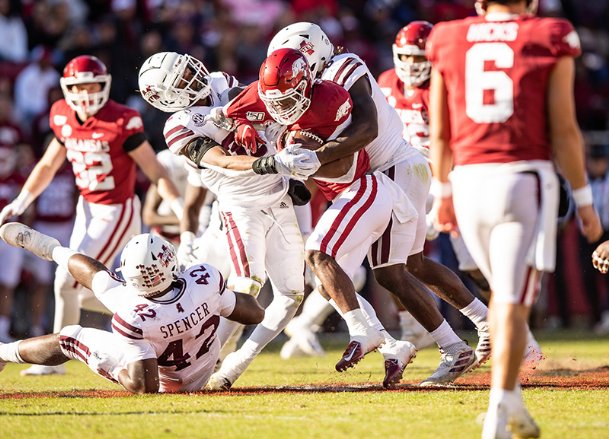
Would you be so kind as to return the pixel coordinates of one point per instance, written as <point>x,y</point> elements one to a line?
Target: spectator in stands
<point>13,44</point>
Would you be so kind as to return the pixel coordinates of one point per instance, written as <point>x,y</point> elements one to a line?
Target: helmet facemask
<point>86,104</point>
<point>415,73</point>
<point>286,108</point>
<point>172,82</point>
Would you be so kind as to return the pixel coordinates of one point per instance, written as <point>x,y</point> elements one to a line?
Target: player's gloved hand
<point>219,119</point>
<point>186,251</point>
<point>600,257</point>
<point>247,137</point>
<point>17,206</point>
<point>106,366</point>
<point>293,161</point>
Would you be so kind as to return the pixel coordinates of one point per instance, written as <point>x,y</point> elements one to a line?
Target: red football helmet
<point>85,69</point>
<point>481,6</point>
<point>285,85</point>
<point>410,42</point>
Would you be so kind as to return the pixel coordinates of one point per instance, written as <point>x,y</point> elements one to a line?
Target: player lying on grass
<point>160,318</point>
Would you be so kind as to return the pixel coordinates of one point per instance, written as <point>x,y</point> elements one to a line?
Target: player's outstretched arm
<point>362,130</point>
<point>247,310</point>
<point>568,144</point>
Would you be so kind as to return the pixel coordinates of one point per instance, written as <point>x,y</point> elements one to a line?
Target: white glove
<point>186,251</point>
<point>105,365</point>
<point>17,206</point>
<point>297,162</point>
<point>219,119</point>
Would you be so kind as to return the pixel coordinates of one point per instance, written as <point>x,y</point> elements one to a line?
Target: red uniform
<point>412,105</point>
<point>98,149</point>
<point>497,73</point>
<point>328,114</point>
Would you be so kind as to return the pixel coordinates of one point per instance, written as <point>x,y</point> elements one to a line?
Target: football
<point>307,139</point>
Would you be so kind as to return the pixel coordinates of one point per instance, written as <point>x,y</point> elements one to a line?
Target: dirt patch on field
<point>559,378</point>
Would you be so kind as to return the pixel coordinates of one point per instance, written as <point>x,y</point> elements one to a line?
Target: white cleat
<point>456,360</point>
<point>308,343</point>
<point>232,368</point>
<point>290,349</point>
<point>20,235</point>
<point>39,370</point>
<point>397,355</point>
<point>504,422</point>
<point>483,349</point>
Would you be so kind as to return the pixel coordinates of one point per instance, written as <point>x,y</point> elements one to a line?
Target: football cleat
<point>20,235</point>
<point>483,349</point>
<point>522,425</point>
<point>357,348</point>
<point>290,349</point>
<point>504,422</point>
<point>308,343</point>
<point>397,356</point>
<point>39,370</point>
<point>456,359</point>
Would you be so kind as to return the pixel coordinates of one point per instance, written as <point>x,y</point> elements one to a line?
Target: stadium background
<point>37,38</point>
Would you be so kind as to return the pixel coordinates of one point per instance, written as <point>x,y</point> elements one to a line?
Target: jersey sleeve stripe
<point>349,72</point>
<point>178,137</point>
<point>124,333</point>
<point>222,285</point>
<point>341,69</point>
<point>121,325</point>
<point>174,130</point>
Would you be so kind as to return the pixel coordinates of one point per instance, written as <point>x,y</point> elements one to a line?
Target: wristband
<point>440,189</point>
<point>265,165</point>
<point>583,196</point>
<point>23,200</point>
<point>61,255</point>
<point>177,206</point>
<point>187,237</point>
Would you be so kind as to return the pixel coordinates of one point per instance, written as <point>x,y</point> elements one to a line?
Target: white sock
<point>477,312</point>
<point>10,352</point>
<point>315,311</point>
<point>356,322</point>
<point>5,325</point>
<point>61,255</point>
<point>372,319</point>
<point>507,397</point>
<point>444,335</point>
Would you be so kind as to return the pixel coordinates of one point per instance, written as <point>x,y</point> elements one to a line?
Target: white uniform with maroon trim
<point>180,325</point>
<point>257,214</point>
<point>108,212</point>
<point>89,345</point>
<point>391,154</point>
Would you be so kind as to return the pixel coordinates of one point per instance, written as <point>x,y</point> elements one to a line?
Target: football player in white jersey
<point>377,128</point>
<point>172,319</point>
<point>259,220</point>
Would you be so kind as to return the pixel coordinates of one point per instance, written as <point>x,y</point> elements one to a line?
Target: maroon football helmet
<point>285,85</point>
<point>410,42</point>
<point>85,69</point>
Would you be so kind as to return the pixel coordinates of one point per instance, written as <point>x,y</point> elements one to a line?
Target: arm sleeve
<point>108,289</point>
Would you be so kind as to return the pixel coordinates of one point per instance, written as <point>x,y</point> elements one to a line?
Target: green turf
<point>561,413</point>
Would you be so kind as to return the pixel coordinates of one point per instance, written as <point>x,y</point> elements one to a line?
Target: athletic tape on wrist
<point>583,196</point>
<point>440,189</point>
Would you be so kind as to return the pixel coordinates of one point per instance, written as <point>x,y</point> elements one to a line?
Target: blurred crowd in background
<point>38,37</point>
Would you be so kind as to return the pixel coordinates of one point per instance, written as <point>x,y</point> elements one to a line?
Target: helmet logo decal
<point>306,47</point>
<point>298,66</point>
<point>165,256</point>
<point>150,94</point>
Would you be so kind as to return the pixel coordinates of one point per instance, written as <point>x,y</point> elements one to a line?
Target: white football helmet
<point>149,264</point>
<point>172,82</point>
<point>309,39</point>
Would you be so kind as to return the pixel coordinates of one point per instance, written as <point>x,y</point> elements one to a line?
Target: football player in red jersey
<point>104,141</point>
<point>358,215</point>
<point>501,107</point>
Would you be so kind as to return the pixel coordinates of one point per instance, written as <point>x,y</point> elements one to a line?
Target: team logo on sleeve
<point>254,116</point>
<point>342,110</point>
<point>134,123</point>
<point>572,39</point>
<point>198,119</point>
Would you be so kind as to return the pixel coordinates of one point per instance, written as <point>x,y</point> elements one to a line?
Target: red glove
<point>247,137</point>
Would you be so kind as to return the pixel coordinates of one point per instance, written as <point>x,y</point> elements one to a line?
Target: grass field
<point>305,398</point>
